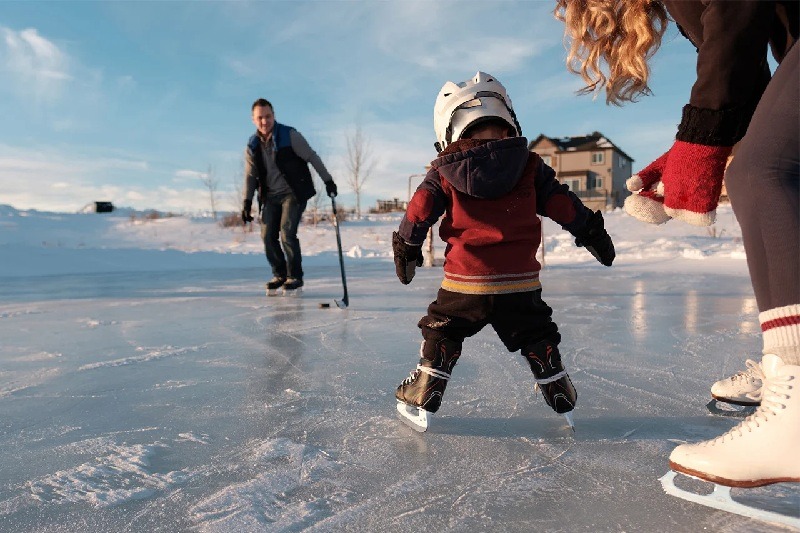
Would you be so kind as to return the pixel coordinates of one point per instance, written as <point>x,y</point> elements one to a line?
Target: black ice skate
<point>551,378</point>
<point>421,393</point>
<point>274,284</point>
<point>293,287</point>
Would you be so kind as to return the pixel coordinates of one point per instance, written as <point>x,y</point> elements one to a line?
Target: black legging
<point>763,183</point>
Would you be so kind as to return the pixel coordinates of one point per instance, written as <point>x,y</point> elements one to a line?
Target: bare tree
<point>237,193</point>
<point>360,164</point>
<point>211,183</point>
<point>237,197</point>
<point>315,203</point>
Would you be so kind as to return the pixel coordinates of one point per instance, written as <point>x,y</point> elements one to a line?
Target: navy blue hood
<point>483,168</point>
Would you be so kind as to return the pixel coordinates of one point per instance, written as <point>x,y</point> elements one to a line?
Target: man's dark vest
<point>294,169</point>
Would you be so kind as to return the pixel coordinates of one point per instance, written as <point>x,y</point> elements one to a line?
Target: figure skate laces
<point>761,450</point>
<point>743,388</point>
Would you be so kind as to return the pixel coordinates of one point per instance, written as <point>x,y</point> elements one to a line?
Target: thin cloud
<point>34,64</point>
<point>497,54</point>
<point>67,182</point>
<point>190,174</point>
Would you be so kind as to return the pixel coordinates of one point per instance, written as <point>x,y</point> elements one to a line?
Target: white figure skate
<point>761,450</point>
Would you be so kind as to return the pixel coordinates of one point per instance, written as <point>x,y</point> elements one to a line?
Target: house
<point>389,206</point>
<point>594,168</point>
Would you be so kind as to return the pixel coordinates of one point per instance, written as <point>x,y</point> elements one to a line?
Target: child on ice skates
<point>490,188</point>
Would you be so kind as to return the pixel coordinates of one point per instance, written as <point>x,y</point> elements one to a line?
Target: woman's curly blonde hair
<point>621,35</point>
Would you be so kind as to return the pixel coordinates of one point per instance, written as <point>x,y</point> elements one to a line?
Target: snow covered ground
<point>146,384</point>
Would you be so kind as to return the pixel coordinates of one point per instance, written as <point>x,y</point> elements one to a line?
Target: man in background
<point>276,165</point>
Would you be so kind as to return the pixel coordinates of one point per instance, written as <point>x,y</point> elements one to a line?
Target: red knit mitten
<point>647,202</point>
<point>693,181</point>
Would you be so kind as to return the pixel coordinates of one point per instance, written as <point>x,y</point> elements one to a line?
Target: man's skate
<point>420,394</point>
<point>739,394</point>
<point>551,378</point>
<point>274,285</point>
<point>761,450</point>
<point>293,287</point>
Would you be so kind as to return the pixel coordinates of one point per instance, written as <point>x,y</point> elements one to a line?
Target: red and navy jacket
<point>490,193</point>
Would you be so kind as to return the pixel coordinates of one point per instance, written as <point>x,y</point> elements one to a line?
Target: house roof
<point>581,143</point>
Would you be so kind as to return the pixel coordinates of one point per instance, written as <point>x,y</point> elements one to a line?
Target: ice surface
<point>186,400</point>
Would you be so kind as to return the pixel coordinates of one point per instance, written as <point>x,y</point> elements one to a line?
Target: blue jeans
<point>280,217</point>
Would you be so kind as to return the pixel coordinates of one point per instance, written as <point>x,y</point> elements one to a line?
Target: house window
<point>623,162</point>
<point>547,160</point>
<point>597,158</point>
<point>574,185</point>
<point>598,182</point>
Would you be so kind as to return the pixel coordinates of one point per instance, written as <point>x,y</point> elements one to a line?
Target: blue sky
<point>134,101</point>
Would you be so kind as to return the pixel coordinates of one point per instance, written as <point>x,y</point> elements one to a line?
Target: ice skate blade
<point>721,499</point>
<point>273,292</point>
<point>416,418</point>
<point>293,293</point>
<point>568,416</point>
<point>720,408</point>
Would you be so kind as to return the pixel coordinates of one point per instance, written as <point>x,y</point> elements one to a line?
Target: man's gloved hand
<point>330,188</point>
<point>596,239</point>
<point>685,183</point>
<point>407,258</point>
<point>248,206</point>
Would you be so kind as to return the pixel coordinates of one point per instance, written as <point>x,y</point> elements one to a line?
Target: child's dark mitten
<point>596,239</point>
<point>407,257</point>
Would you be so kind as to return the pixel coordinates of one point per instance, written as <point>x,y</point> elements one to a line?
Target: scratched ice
<point>182,400</point>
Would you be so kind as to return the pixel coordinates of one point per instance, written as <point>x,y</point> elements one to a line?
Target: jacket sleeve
<point>307,154</point>
<point>250,175</point>
<point>424,209</point>
<point>732,69</point>
<point>555,201</point>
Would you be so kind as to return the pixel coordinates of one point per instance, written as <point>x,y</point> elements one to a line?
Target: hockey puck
<point>324,306</point>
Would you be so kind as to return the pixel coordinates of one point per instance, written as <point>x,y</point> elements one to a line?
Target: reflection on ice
<point>691,306</point>
<point>749,309</point>
<point>221,410</point>
<point>639,310</point>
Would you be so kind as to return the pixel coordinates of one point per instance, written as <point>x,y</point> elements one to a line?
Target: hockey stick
<point>344,302</point>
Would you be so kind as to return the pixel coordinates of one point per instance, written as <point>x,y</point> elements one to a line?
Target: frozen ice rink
<point>188,401</point>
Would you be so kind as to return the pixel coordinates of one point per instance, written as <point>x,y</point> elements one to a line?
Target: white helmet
<point>461,105</point>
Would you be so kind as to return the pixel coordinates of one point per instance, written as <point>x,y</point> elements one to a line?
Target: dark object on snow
<point>103,207</point>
